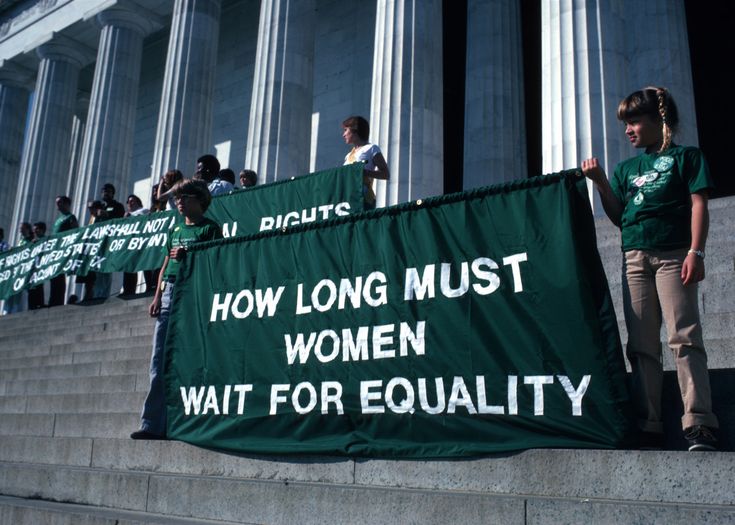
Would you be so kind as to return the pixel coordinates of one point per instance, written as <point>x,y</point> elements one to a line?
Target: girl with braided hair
<point>659,201</point>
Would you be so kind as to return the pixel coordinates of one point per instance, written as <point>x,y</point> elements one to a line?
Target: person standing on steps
<point>192,200</point>
<point>659,200</point>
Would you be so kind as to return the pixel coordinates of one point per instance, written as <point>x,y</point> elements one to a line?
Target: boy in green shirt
<point>64,222</point>
<point>192,200</point>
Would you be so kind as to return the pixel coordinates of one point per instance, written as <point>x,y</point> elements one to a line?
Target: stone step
<point>86,425</point>
<point>514,488</point>
<point>80,385</point>
<point>73,403</point>
<point>138,342</point>
<point>91,356</point>
<point>19,511</point>
<point>75,313</point>
<point>61,325</point>
<point>110,368</point>
<point>120,332</point>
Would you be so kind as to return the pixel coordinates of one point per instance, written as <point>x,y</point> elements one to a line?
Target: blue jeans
<point>153,418</point>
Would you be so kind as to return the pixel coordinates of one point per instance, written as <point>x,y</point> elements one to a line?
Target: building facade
<point>96,91</point>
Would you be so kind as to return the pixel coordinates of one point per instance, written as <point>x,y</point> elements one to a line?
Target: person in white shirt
<point>356,132</point>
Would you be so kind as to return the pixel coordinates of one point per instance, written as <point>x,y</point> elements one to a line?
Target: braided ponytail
<point>663,97</point>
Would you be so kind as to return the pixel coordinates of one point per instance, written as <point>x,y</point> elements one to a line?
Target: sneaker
<point>700,438</point>
<point>144,434</point>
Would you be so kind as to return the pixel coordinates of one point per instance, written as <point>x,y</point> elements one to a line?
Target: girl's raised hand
<point>592,170</point>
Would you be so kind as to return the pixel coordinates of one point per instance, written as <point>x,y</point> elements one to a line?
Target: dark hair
<point>249,175</point>
<point>108,186</point>
<point>137,199</point>
<point>176,176</point>
<point>2,232</point>
<point>210,166</point>
<point>64,199</point>
<point>195,187</point>
<point>358,125</point>
<point>40,225</point>
<point>658,104</point>
<point>95,205</point>
<point>228,175</point>
<point>156,205</point>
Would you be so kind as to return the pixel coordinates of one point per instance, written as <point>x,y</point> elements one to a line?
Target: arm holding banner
<point>612,206</point>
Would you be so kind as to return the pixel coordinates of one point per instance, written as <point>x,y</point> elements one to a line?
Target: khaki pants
<point>652,287</point>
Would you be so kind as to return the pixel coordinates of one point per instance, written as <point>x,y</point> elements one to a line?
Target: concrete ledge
<point>80,385</point>
<point>674,477</point>
<point>120,490</point>
<point>288,503</point>
<point>18,511</point>
<point>101,425</point>
<point>544,511</point>
<point>84,403</point>
<point>46,450</point>
<point>181,458</point>
<point>26,425</point>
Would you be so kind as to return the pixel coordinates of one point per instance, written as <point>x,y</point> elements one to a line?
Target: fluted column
<point>280,111</point>
<point>659,56</point>
<point>494,128</point>
<point>45,161</point>
<point>108,136</point>
<point>74,183</point>
<point>406,103</point>
<point>14,92</point>
<point>185,119</point>
<point>584,77</point>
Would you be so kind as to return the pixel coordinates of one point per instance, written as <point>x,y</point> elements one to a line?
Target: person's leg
<point>58,290</point>
<point>681,315</point>
<point>102,285</point>
<point>130,282</point>
<point>643,321</point>
<point>153,418</point>
<point>35,297</point>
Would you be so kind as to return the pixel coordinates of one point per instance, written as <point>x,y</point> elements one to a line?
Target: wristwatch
<point>698,253</point>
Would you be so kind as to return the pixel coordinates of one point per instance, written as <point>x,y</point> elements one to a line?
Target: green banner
<point>136,243</point>
<point>465,324</point>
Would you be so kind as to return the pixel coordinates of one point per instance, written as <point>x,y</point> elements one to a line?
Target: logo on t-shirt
<point>664,163</point>
<point>645,178</point>
<point>638,199</point>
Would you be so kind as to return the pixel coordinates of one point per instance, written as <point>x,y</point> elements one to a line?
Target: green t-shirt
<point>654,189</point>
<point>65,222</point>
<point>184,235</point>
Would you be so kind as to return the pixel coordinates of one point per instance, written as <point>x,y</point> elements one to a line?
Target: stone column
<point>659,56</point>
<point>45,161</point>
<point>494,129</point>
<point>74,183</point>
<point>583,78</point>
<point>406,103</point>
<point>14,91</point>
<point>185,119</point>
<point>108,136</point>
<point>279,127</point>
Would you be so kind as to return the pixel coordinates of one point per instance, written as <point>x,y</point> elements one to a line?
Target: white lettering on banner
<point>264,302</point>
<point>327,343</point>
<point>398,396</point>
<point>422,285</point>
<point>371,393</point>
<point>229,229</point>
<point>192,399</point>
<point>330,393</point>
<point>292,218</point>
<point>374,291</point>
